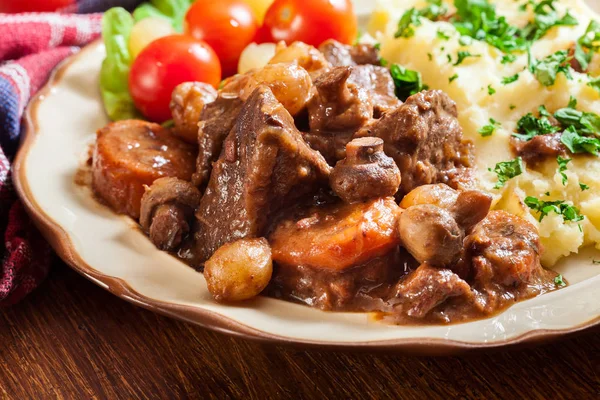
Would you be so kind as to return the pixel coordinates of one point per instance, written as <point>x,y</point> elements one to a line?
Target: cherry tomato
<point>310,21</point>
<point>15,6</point>
<point>164,64</point>
<point>228,26</point>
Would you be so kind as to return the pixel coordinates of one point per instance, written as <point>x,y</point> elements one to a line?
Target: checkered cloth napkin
<point>31,46</point>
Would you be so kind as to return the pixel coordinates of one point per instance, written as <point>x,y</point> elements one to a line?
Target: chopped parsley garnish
<point>489,129</point>
<point>464,54</point>
<point>507,170</point>
<point>430,56</point>
<point>449,57</point>
<point>559,281</point>
<point>442,35</point>
<point>478,19</point>
<point>596,262</point>
<point>510,79</point>
<point>595,83</point>
<point>452,78</point>
<point>508,58</point>
<point>411,18</point>
<point>580,144</point>
<point>584,122</point>
<point>568,212</point>
<point>529,126</point>
<point>545,18</point>
<point>512,106</point>
<point>583,187</point>
<point>562,167</point>
<point>407,81</point>
<point>491,90</point>
<point>547,69</point>
<point>377,46</point>
<point>588,44</point>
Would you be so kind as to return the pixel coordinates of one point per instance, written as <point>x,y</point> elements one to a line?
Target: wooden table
<point>71,339</point>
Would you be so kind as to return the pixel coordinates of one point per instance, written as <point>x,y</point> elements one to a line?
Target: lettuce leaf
<point>114,74</point>
<point>173,10</point>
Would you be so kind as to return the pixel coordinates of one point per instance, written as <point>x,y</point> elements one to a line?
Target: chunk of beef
<point>428,287</point>
<point>366,172</point>
<point>539,148</point>
<point>339,54</point>
<point>359,288</point>
<point>217,119</point>
<point>425,139</point>
<point>265,164</point>
<point>504,249</point>
<point>336,111</point>
<point>187,102</point>
<point>167,211</point>
<point>379,84</point>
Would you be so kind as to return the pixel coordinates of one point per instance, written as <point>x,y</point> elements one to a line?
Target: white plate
<point>109,250</point>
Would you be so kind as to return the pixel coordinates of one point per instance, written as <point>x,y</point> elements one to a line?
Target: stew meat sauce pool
<point>308,180</point>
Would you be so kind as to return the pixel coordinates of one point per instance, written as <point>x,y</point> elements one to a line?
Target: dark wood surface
<point>71,339</point>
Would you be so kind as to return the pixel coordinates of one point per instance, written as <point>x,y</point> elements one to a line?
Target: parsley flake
<point>583,187</point>
<point>464,54</point>
<point>580,144</point>
<point>508,59</point>
<point>547,69</point>
<point>595,83</point>
<point>491,90</point>
<point>545,18</point>
<point>489,129</point>
<point>529,126</point>
<point>510,79</point>
<point>512,107</point>
<point>412,18</point>
<point>559,281</point>
<point>562,167</point>
<point>407,81</point>
<point>452,78</point>
<point>587,45</point>
<point>442,35</point>
<point>568,212</point>
<point>506,170</point>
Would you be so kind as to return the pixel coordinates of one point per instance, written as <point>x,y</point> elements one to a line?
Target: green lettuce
<point>114,75</point>
<point>173,10</point>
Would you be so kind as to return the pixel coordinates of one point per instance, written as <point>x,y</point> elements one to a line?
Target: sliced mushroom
<point>167,209</point>
<point>366,172</point>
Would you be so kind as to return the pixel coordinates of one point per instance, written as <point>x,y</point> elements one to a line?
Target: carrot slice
<point>337,237</point>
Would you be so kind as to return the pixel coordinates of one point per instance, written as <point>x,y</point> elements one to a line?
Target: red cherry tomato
<point>228,26</point>
<point>164,64</point>
<point>15,6</point>
<point>311,21</point>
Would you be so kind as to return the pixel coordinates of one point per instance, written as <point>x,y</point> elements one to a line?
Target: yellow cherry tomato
<point>146,31</point>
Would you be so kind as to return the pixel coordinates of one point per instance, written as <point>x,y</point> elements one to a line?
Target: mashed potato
<point>428,53</point>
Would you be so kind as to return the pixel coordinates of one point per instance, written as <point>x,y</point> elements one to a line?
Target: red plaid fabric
<point>31,46</point>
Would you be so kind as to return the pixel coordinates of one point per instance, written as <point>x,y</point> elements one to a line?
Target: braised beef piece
<point>504,255</point>
<point>336,111</point>
<point>379,84</point>
<point>425,139</point>
<point>167,211</point>
<point>265,164</point>
<point>539,148</point>
<point>339,54</point>
<point>217,119</point>
<point>427,287</point>
<point>187,101</point>
<point>361,288</point>
<point>366,172</point>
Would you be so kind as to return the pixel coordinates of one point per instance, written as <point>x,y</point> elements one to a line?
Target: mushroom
<point>365,173</point>
<point>431,235</point>
<point>167,208</point>
<point>467,207</point>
